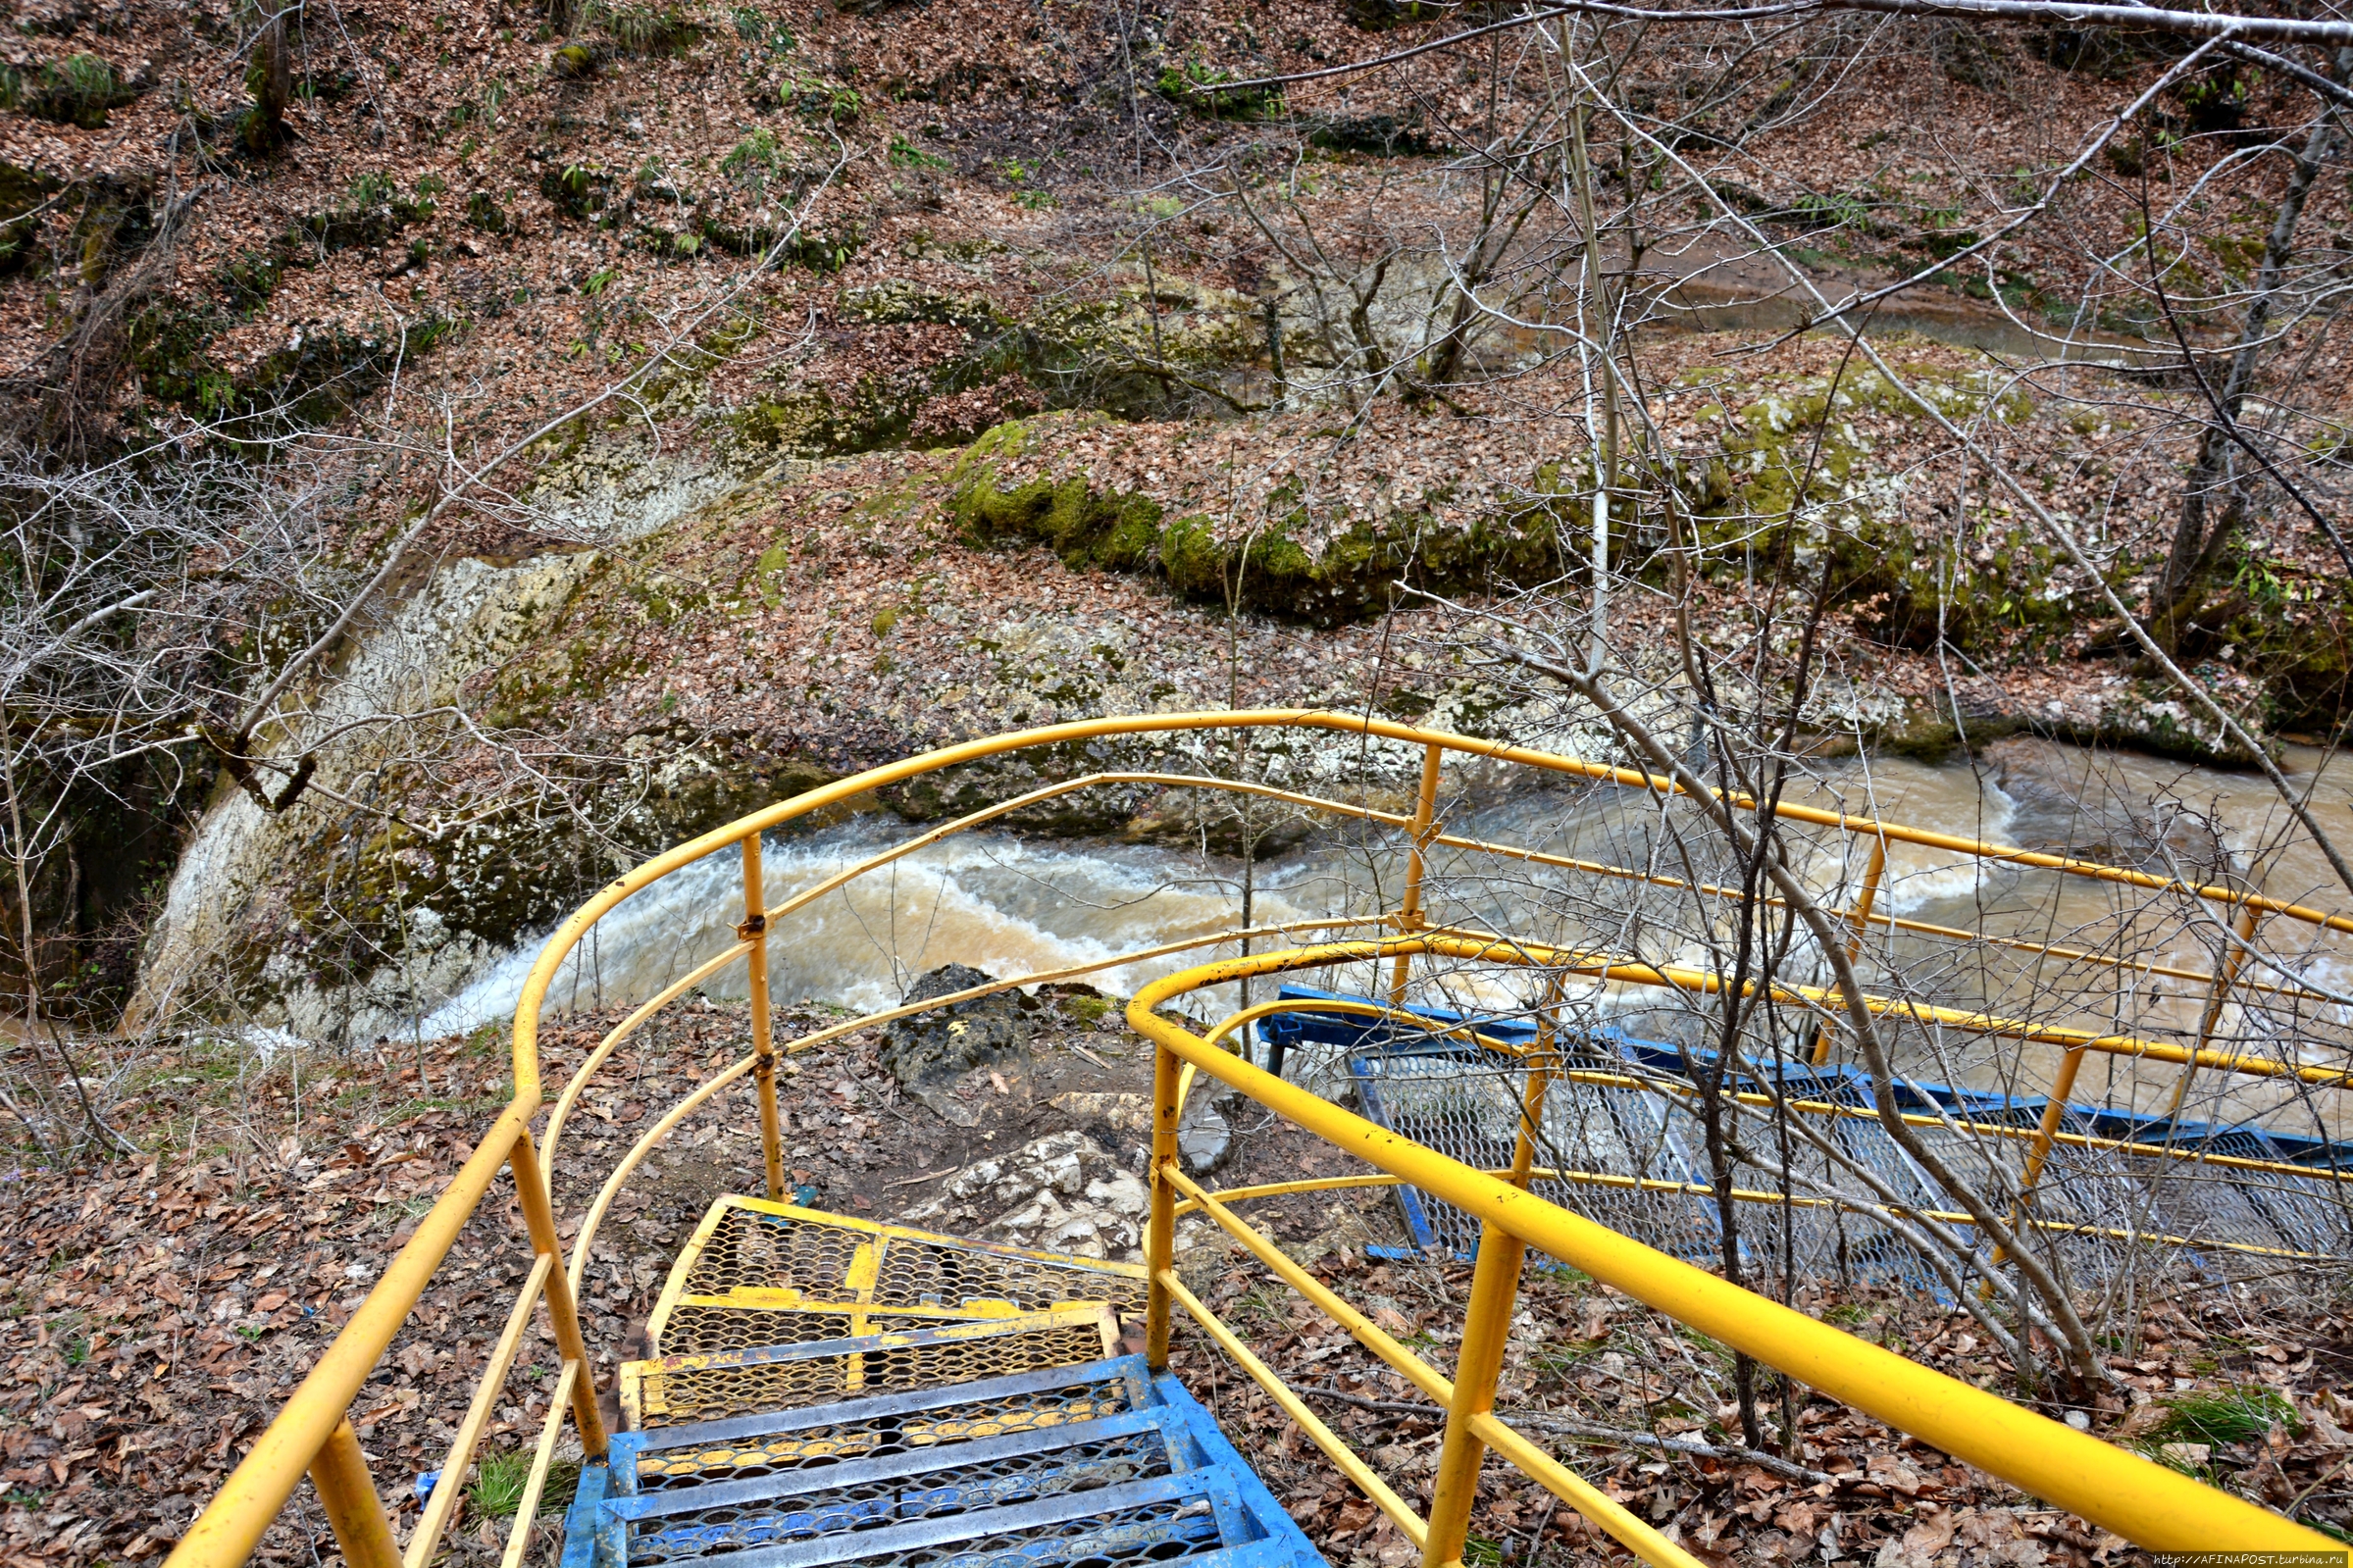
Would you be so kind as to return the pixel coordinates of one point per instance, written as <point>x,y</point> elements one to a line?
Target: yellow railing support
<point>563,1310</point>
<point>1159,1228</point>
<point>232,1522</point>
<point>1345,1458</point>
<point>355,1511</point>
<point>1370,1334</point>
<point>1486,1330</point>
<point>1857,917</point>
<point>1583,1496</point>
<point>2234,954</point>
<point>1409,909</point>
<point>2137,1498</point>
<point>426,1541</point>
<point>754,931</point>
<point>526,1507</point>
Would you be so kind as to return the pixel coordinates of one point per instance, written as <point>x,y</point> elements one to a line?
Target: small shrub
<point>751,161</point>
<point>1198,85</point>
<point>816,99</point>
<point>908,155</point>
<point>372,190</point>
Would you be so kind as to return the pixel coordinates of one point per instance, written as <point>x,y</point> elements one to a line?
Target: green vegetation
<point>1353,573</point>
<point>2244,1414</point>
<point>77,91</point>
<point>1200,86</point>
<point>907,155</point>
<point>499,1478</point>
<point>650,30</point>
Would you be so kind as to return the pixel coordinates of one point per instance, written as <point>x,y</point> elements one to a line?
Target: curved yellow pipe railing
<point>310,1433</point>
<point>568,934</point>
<point>2141,1500</point>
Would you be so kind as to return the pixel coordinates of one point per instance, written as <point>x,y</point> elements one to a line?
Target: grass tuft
<point>2222,1416</point>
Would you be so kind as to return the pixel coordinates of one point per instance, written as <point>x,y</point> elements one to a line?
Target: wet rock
<point>1204,1136</point>
<point>2101,807</point>
<point>930,1052</point>
<point>1064,1192</point>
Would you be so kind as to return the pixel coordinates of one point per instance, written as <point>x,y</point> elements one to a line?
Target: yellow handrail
<point>304,1433</point>
<point>2141,1500</point>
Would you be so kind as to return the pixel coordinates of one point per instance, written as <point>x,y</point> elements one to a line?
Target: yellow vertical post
<point>1487,1328</point>
<point>2062,1085</point>
<point>1857,917</point>
<point>1159,1234</point>
<point>1494,1288</point>
<point>1409,913</point>
<point>2216,994</point>
<point>754,931</point>
<point>562,1311</point>
<point>2046,1134</point>
<point>355,1511</point>
<point>1543,1063</point>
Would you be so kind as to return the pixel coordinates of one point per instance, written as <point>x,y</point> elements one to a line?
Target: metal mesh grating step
<point>684,1524</point>
<point>671,1390</point>
<point>746,1447</point>
<point>749,1256</point>
<point>718,1323</point>
<point>1164,1520</point>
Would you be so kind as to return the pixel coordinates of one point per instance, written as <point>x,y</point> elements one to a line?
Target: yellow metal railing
<point>312,1435</point>
<point>2139,1499</point>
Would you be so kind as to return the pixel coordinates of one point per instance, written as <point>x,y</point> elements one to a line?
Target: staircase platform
<point>978,1415</point>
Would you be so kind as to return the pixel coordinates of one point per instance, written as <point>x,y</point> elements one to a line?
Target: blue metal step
<point>682,1522</point>
<point>1099,1463</point>
<point>776,1441</point>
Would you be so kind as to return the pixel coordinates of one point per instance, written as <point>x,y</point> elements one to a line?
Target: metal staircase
<point>827,1391</point>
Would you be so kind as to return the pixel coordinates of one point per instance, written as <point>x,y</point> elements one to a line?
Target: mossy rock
<point>1351,577</point>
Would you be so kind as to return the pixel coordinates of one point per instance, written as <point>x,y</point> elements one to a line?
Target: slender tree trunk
<point>270,80</point>
<point>26,943</point>
<point>1274,356</point>
<point>2215,501</point>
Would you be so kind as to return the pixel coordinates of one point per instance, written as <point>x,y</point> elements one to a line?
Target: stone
<point>1063,1193</point>
<point>1125,1113</point>
<point>930,1052</point>
<point>1204,1138</point>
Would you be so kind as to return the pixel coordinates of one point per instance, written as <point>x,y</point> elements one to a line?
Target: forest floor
<point>165,1304</point>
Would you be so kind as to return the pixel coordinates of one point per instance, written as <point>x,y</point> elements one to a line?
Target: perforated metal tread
<point>854,1277</point>
<point>686,1523</point>
<point>683,1458</point>
<point>988,1436</point>
<point>672,1389</point>
<point>1160,1520</point>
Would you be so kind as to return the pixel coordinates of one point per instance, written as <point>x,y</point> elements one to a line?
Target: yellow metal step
<point>672,1389</point>
<point>757,1273</point>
